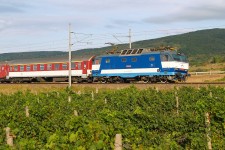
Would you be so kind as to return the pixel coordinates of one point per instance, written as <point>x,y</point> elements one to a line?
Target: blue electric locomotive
<point>147,65</point>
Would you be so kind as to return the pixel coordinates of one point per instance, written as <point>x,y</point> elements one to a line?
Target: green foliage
<point>147,119</point>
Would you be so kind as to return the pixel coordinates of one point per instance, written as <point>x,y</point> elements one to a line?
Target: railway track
<point>65,83</point>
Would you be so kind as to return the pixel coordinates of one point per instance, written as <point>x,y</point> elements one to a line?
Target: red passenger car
<point>54,69</point>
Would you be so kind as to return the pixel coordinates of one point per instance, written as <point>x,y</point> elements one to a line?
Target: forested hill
<point>209,43</point>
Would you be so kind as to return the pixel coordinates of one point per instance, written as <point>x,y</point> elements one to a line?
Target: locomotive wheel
<point>103,80</point>
<point>146,80</point>
<point>120,80</point>
<point>110,80</point>
<point>163,81</point>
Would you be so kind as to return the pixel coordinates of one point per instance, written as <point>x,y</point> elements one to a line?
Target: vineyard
<point>90,119</point>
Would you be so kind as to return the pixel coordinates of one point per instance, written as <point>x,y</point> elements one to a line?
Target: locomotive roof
<point>48,60</point>
<point>131,52</point>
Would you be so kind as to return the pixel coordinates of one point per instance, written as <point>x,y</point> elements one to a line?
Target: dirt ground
<point>205,78</point>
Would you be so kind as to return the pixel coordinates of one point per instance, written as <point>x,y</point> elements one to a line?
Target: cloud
<point>9,9</point>
<point>41,19</point>
<point>13,6</point>
<point>197,12</point>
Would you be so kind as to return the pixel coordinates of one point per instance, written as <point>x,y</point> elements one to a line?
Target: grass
<point>221,80</point>
<point>208,67</point>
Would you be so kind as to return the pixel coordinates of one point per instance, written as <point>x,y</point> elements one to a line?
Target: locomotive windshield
<point>179,57</point>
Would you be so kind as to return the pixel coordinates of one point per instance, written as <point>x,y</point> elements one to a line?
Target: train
<point>146,65</point>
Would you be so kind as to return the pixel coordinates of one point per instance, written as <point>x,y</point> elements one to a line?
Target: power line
<point>99,39</point>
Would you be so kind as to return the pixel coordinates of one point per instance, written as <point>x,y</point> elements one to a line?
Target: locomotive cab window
<point>179,57</point>
<point>166,57</point>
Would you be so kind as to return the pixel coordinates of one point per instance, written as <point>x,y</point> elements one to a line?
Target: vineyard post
<point>69,98</point>
<point>96,90</point>
<point>27,111</point>
<point>118,142</point>
<point>79,92</point>
<point>105,101</point>
<point>207,122</point>
<point>210,94</point>
<point>92,95</point>
<point>75,113</point>
<point>9,138</point>
<point>177,104</point>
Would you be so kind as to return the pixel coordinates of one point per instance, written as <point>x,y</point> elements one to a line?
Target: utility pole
<point>130,37</point>
<point>70,46</point>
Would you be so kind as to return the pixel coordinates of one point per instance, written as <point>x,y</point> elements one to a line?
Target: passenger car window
<point>11,68</point>
<point>73,65</point>
<point>21,68</point>
<point>15,68</point>
<point>28,68</point>
<point>64,66</point>
<point>34,67</point>
<point>79,65</point>
<point>49,66</point>
<point>56,66</point>
<point>42,67</point>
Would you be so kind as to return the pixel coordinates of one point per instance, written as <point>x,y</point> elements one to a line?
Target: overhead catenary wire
<point>97,40</point>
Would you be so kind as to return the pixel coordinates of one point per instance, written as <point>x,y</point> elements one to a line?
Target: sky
<point>43,25</point>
